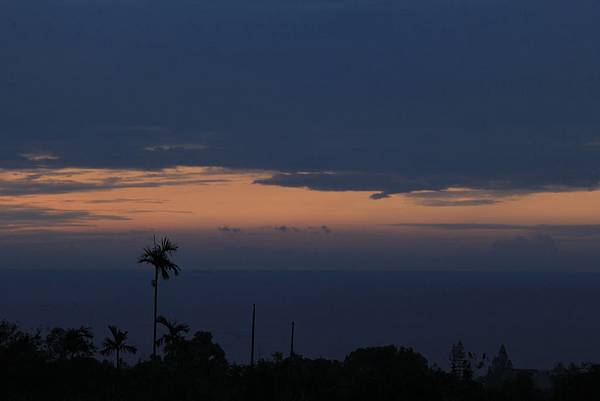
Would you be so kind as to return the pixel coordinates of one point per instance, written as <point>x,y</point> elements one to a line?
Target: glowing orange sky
<point>194,198</point>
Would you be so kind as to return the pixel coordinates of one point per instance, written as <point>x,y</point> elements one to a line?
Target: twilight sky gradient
<point>289,134</point>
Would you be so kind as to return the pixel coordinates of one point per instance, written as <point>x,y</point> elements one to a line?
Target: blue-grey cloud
<point>488,94</point>
<point>125,200</point>
<point>40,157</point>
<point>429,190</point>
<point>22,217</point>
<point>468,202</point>
<point>336,181</point>
<point>322,229</point>
<point>230,230</point>
<point>555,229</point>
<point>286,229</point>
<point>58,182</point>
<point>175,147</point>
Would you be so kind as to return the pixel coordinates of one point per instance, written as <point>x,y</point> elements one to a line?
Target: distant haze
<point>542,318</point>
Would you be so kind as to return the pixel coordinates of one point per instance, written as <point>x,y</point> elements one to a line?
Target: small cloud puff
<point>286,229</point>
<point>39,157</point>
<point>323,229</point>
<point>230,230</point>
<point>167,148</point>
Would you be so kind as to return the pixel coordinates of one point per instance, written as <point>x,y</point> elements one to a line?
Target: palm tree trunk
<point>252,341</point>
<point>155,311</point>
<point>117,364</point>
<point>292,342</point>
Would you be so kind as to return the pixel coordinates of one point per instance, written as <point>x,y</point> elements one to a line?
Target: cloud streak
<point>323,229</point>
<point>62,181</point>
<point>230,230</point>
<point>38,157</point>
<point>434,191</point>
<point>175,147</point>
<point>30,217</point>
<point>567,229</point>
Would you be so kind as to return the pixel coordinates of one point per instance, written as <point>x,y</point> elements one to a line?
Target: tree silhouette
<point>460,366</point>
<point>70,343</point>
<point>159,256</point>
<point>117,345</point>
<point>174,336</point>
<point>64,368</point>
<point>501,368</point>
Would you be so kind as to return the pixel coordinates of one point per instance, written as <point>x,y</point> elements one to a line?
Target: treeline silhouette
<point>63,364</point>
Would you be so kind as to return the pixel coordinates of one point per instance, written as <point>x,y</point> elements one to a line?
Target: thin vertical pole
<point>292,342</point>
<point>155,311</point>
<point>155,305</point>
<point>253,326</point>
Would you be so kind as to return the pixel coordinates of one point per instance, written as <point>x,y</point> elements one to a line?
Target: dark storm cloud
<point>332,181</point>
<point>392,96</point>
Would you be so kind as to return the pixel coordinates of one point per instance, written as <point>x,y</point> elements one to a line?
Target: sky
<point>288,134</point>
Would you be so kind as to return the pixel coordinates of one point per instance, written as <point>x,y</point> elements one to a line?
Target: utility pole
<point>292,342</point>
<point>155,304</point>
<point>253,325</point>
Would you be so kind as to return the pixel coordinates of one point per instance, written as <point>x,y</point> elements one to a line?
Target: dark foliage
<point>61,366</point>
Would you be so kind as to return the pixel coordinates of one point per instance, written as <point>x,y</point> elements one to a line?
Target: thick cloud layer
<point>393,97</point>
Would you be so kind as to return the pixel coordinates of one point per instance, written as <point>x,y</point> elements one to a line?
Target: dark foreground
<point>62,364</point>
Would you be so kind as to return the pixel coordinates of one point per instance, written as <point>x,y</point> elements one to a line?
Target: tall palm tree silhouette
<point>159,256</point>
<point>174,336</point>
<point>117,344</point>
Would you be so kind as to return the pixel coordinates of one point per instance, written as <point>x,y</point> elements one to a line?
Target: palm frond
<point>130,349</point>
<point>159,257</point>
<point>167,246</point>
<point>117,342</point>
<point>173,326</point>
<point>163,320</point>
<point>108,347</point>
<point>114,331</point>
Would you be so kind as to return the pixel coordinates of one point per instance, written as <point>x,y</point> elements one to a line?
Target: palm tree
<point>117,344</point>
<point>175,335</point>
<point>159,257</point>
